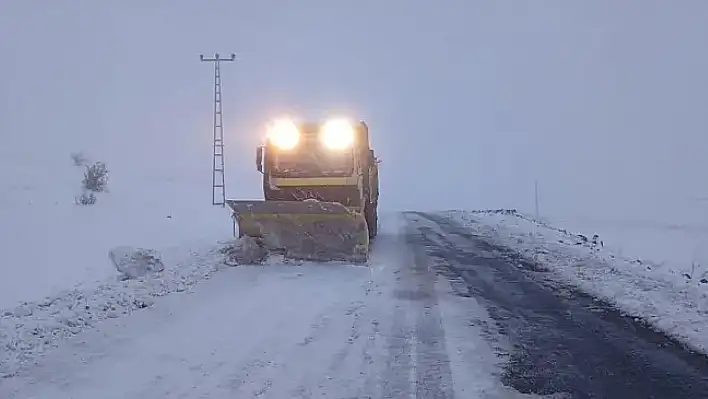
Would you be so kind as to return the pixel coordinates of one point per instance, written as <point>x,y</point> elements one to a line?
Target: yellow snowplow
<point>321,189</point>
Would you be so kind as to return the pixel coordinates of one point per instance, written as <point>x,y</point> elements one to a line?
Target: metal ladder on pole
<point>218,196</point>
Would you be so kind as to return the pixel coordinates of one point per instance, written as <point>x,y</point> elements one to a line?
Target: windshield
<point>313,161</point>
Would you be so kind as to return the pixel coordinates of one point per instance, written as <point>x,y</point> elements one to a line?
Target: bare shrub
<point>95,178</point>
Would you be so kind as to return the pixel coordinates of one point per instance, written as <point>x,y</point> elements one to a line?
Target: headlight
<point>337,134</point>
<point>284,134</point>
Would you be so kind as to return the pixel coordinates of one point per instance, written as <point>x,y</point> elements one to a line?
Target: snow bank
<point>663,296</point>
<point>29,328</point>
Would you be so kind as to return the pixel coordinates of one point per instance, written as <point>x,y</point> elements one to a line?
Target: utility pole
<point>218,193</point>
<point>535,189</point>
<point>535,246</point>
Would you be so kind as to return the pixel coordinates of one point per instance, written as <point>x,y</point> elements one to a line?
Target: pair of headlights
<point>336,134</point>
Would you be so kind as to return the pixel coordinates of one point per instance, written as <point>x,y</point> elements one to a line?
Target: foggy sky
<point>468,101</point>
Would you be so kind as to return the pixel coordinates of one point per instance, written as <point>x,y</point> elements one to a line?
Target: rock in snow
<point>243,251</point>
<point>134,263</point>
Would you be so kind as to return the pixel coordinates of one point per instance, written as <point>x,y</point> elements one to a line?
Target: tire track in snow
<point>286,369</point>
<point>367,359</point>
<point>396,381</point>
<point>418,362</point>
<point>433,364</point>
<point>318,382</point>
<point>293,369</point>
<point>216,377</point>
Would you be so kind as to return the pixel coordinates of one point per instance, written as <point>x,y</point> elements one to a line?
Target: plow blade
<point>306,230</point>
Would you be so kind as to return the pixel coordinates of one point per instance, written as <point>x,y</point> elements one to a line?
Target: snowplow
<point>320,188</point>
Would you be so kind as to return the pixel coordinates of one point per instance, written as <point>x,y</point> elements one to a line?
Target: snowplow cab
<point>320,188</point>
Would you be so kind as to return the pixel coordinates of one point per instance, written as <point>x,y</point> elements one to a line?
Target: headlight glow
<point>284,134</point>
<point>337,134</point>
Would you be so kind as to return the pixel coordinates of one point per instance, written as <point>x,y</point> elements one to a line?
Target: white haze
<point>468,102</point>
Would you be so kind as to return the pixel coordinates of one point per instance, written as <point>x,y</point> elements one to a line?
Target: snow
<point>50,244</point>
<point>555,96</point>
<point>663,238</point>
<point>31,328</point>
<point>245,250</point>
<point>657,293</point>
<point>272,330</point>
<point>132,262</point>
<point>226,337</point>
<point>567,95</point>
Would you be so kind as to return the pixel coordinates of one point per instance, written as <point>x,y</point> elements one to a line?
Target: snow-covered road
<point>331,331</point>
<point>562,340</point>
<point>442,312</point>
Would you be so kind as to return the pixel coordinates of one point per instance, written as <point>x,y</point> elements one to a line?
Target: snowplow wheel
<point>308,230</point>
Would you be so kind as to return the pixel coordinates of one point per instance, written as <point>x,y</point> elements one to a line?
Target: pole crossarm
<point>217,58</point>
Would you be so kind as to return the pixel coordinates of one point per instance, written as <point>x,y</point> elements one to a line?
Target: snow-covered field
<point>57,278</point>
<point>661,293</point>
<point>50,244</point>
<point>674,233</point>
<point>32,327</point>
